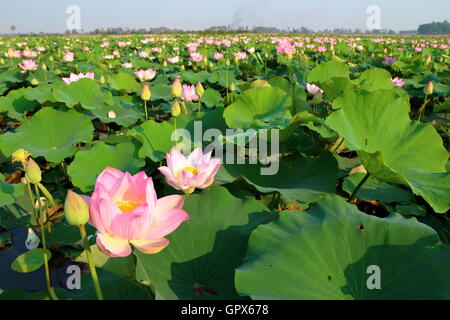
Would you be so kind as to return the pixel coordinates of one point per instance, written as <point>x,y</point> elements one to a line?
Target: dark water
<point>32,281</point>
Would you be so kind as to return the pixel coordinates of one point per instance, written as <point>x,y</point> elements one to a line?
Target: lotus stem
<point>355,192</point>
<point>146,111</point>
<point>94,275</point>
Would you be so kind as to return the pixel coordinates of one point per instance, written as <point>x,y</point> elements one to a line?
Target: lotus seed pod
<point>76,209</point>
<point>20,155</point>
<point>146,93</point>
<point>33,173</point>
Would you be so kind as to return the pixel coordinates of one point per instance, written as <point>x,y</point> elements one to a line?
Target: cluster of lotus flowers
<point>126,211</point>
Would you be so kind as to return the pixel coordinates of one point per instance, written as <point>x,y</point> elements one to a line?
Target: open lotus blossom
<point>127,65</point>
<point>68,57</point>
<point>187,174</point>
<point>144,54</point>
<point>389,60</point>
<point>218,56</point>
<point>285,47</point>
<point>125,210</point>
<point>398,82</point>
<point>175,59</point>
<point>188,93</point>
<point>29,53</point>
<point>28,65</point>
<point>145,75</point>
<point>313,89</point>
<point>241,55</point>
<point>196,56</point>
<point>75,77</point>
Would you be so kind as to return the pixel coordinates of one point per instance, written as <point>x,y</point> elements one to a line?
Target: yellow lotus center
<point>191,169</point>
<point>127,206</point>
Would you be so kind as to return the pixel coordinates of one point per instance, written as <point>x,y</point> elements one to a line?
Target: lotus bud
<point>211,65</point>
<point>44,67</point>
<point>428,59</point>
<point>33,173</point>
<point>232,86</point>
<point>34,82</point>
<point>176,109</point>
<point>177,89</point>
<point>2,61</point>
<point>428,89</point>
<point>199,90</point>
<point>182,67</point>
<point>227,62</point>
<point>102,79</point>
<point>145,93</point>
<point>51,59</point>
<point>20,155</point>
<point>10,52</point>
<point>183,109</point>
<point>164,63</point>
<point>76,209</point>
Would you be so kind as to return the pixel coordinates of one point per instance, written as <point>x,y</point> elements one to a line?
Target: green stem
<point>30,195</point>
<point>352,197</point>
<point>422,108</point>
<point>226,81</point>
<point>199,105</point>
<point>145,107</point>
<point>50,290</point>
<point>94,275</point>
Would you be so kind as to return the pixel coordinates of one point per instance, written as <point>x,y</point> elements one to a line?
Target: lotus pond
<point>230,167</point>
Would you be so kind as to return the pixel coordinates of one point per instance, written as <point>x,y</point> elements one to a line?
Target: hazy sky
<point>51,16</point>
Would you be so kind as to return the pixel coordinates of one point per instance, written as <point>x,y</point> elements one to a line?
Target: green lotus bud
<point>102,79</point>
<point>227,62</point>
<point>33,173</point>
<point>76,209</point>
<point>232,87</point>
<point>176,109</point>
<point>44,67</point>
<point>428,59</point>
<point>428,89</point>
<point>34,82</point>
<point>2,61</point>
<point>146,93</point>
<point>164,63</point>
<point>183,109</point>
<point>51,58</point>
<point>182,67</point>
<point>199,90</point>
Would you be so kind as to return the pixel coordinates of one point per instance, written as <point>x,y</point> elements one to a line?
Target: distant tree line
<point>435,28</point>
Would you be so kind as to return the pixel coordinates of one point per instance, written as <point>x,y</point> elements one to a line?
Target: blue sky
<point>50,15</point>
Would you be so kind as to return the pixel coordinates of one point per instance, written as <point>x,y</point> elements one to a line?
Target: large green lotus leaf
<point>262,107</point>
<point>374,189</point>
<point>49,133</point>
<point>156,139</point>
<point>326,253</point>
<point>328,70</point>
<point>123,113</point>
<point>41,93</point>
<point>15,104</point>
<point>336,86</point>
<point>390,146</point>
<point>211,98</point>
<point>161,91</point>
<point>87,165</point>
<point>9,192</point>
<point>375,79</point>
<point>124,82</point>
<point>113,288</point>
<point>302,179</point>
<point>203,252</point>
<point>194,77</point>
<point>85,92</point>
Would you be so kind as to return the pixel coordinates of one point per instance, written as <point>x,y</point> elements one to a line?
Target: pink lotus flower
<point>75,77</point>
<point>143,54</point>
<point>127,65</point>
<point>175,59</point>
<point>68,57</point>
<point>125,210</point>
<point>29,53</point>
<point>321,49</point>
<point>389,60</point>
<point>188,93</point>
<point>218,56</point>
<point>313,89</point>
<point>241,55</point>
<point>196,56</point>
<point>285,47</point>
<point>145,75</point>
<point>28,65</point>
<point>195,171</point>
<point>86,49</point>
<point>398,82</point>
